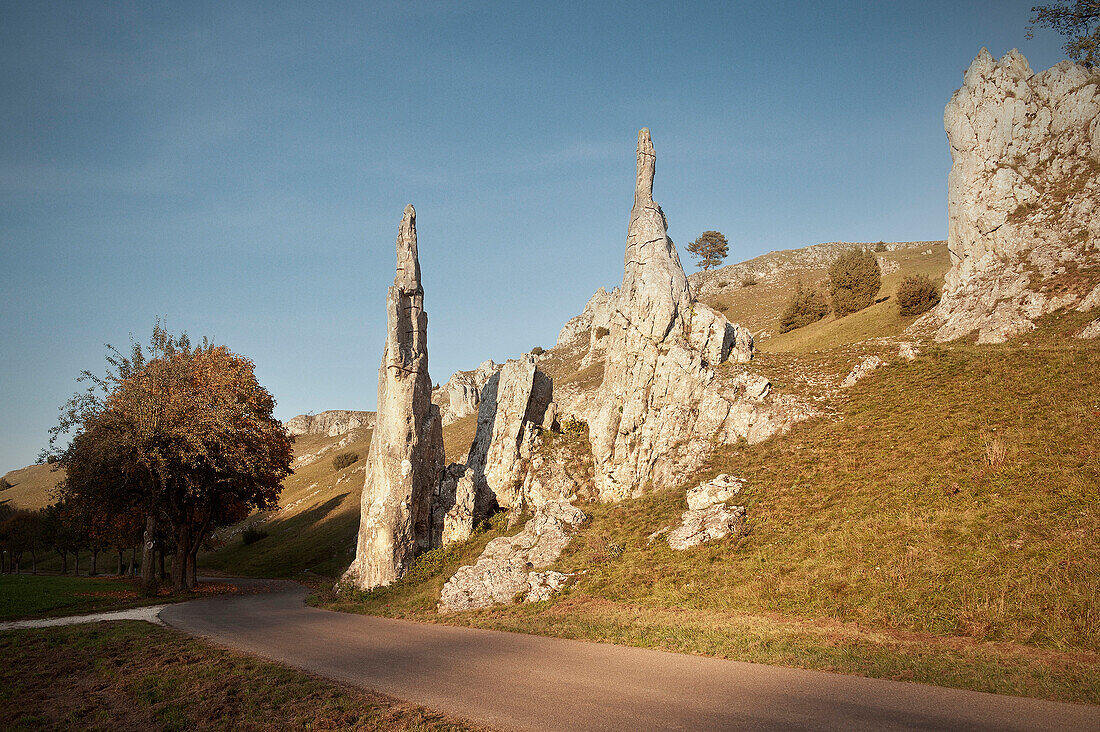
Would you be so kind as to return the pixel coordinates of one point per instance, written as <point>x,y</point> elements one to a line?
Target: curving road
<point>515,681</point>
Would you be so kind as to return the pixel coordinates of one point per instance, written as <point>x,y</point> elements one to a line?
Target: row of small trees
<point>173,441</point>
<point>67,529</point>
<point>855,279</point>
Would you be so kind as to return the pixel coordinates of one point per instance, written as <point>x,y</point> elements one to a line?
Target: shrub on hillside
<point>601,331</point>
<point>804,307</point>
<point>917,294</point>
<point>4,484</point>
<point>344,459</point>
<point>251,535</point>
<point>538,351</point>
<point>749,280</point>
<point>854,280</point>
<point>880,247</point>
<point>574,427</point>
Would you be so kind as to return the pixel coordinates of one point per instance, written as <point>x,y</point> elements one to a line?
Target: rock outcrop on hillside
<point>507,568</point>
<point>1023,195</point>
<point>660,404</point>
<point>406,453</point>
<point>455,507</point>
<point>512,408</point>
<point>333,423</point>
<point>461,394</point>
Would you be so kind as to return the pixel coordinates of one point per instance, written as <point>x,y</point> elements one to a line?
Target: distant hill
<point>775,276</point>
<point>31,486</point>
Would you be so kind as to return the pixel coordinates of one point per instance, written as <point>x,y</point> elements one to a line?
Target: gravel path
<point>150,614</point>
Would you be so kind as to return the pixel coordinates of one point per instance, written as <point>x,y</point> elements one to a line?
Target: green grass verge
<point>30,596</point>
<point>136,676</point>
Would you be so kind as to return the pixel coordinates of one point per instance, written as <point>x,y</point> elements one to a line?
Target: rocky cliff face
<point>334,422</point>
<point>660,402</point>
<point>1023,191</point>
<point>406,452</point>
<point>461,394</point>
<point>513,407</point>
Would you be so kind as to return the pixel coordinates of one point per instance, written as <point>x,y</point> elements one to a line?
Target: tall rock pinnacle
<point>655,400</point>
<point>654,283</point>
<point>406,451</point>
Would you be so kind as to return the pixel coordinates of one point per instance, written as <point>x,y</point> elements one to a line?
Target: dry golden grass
<point>32,486</point>
<point>135,676</point>
<point>458,436</point>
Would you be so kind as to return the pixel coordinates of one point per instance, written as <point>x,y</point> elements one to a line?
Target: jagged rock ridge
<point>1023,224</point>
<point>406,452</point>
<point>333,423</point>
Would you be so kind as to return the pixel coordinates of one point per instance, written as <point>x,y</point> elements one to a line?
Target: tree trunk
<point>132,571</point>
<point>93,568</point>
<point>34,561</point>
<point>76,563</point>
<point>163,574</point>
<point>64,561</point>
<point>192,573</point>
<point>179,563</point>
<point>121,564</point>
<point>148,580</point>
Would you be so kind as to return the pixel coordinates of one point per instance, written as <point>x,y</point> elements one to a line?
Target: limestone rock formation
<point>718,490</point>
<point>505,569</point>
<point>708,517</point>
<point>455,507</point>
<point>593,316</point>
<point>406,452</point>
<point>660,404</point>
<point>461,394</point>
<point>512,408</point>
<point>559,469</point>
<point>908,351</point>
<point>1023,195</point>
<point>861,369</point>
<point>333,423</point>
<point>706,524</point>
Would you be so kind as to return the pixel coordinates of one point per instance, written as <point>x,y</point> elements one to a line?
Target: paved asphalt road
<point>514,681</point>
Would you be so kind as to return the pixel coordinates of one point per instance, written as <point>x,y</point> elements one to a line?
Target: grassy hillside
<point>32,486</point>
<point>941,526</point>
<point>313,533</point>
<point>758,307</point>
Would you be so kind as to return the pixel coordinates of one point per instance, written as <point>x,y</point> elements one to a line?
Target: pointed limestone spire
<point>647,163</point>
<point>408,263</point>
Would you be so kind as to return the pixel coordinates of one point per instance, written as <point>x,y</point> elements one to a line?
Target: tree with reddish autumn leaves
<point>182,434</point>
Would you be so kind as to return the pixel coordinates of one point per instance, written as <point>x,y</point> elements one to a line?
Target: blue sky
<point>240,169</point>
